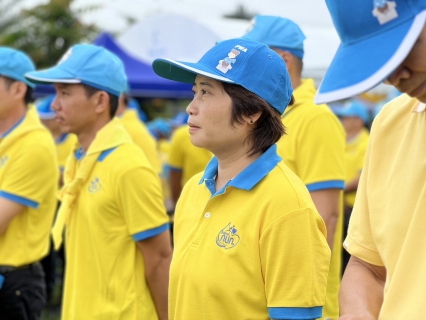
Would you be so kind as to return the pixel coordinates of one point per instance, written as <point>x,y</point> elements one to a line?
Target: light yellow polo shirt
<point>387,226</point>
<point>141,137</point>
<point>186,157</point>
<point>64,146</point>
<point>119,204</point>
<point>314,148</point>
<point>355,154</point>
<point>28,176</point>
<point>256,249</point>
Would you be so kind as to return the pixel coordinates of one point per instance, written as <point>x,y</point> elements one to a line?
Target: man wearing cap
<point>315,142</point>
<point>28,185</point>
<point>117,240</point>
<point>385,277</point>
<point>354,118</point>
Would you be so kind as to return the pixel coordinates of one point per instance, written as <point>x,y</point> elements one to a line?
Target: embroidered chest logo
<point>226,63</point>
<point>385,11</point>
<point>95,185</point>
<point>228,237</point>
<point>3,161</point>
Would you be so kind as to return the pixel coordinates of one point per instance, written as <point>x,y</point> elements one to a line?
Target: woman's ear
<point>252,119</point>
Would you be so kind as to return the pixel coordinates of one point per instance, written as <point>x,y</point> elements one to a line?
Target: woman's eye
<point>203,91</point>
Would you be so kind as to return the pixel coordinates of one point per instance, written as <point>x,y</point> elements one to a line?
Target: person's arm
<point>361,292</point>
<point>353,184</point>
<point>327,203</point>
<point>175,184</point>
<point>157,254</point>
<point>8,210</point>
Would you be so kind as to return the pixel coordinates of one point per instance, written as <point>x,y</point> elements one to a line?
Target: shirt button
<point>207,215</point>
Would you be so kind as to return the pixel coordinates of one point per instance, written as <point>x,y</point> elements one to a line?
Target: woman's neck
<point>232,164</point>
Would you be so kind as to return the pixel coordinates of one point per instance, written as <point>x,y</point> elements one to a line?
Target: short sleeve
<point>321,159</point>
<point>295,259</point>
<point>140,199</point>
<point>176,156</point>
<point>360,241</point>
<point>30,177</point>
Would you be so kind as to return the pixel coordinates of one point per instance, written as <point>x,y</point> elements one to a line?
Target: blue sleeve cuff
<point>19,199</point>
<point>331,184</point>
<point>174,168</point>
<point>150,233</point>
<point>295,313</point>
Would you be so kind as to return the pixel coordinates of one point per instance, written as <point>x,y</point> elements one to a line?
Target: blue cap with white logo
<point>247,63</point>
<point>87,64</point>
<point>277,32</point>
<point>44,107</point>
<point>15,64</point>
<point>352,109</point>
<point>376,36</point>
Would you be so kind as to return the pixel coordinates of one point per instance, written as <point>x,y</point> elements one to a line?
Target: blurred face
<point>410,76</point>
<point>352,124</point>
<point>11,94</point>
<point>210,118</point>
<point>75,112</point>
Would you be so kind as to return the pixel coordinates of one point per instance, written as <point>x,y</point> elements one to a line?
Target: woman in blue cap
<point>249,243</point>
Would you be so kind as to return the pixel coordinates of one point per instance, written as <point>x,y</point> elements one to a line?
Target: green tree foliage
<point>46,31</point>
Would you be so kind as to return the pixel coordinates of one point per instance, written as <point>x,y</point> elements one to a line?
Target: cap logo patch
<point>66,56</point>
<point>385,11</point>
<point>226,64</point>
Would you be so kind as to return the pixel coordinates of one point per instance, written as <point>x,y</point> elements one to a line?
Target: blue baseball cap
<point>44,107</point>
<point>352,109</point>
<point>277,32</point>
<point>87,64</point>
<point>15,64</point>
<point>376,36</point>
<point>247,63</point>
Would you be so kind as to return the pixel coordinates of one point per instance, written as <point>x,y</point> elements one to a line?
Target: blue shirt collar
<point>14,127</point>
<point>249,177</point>
<point>62,138</point>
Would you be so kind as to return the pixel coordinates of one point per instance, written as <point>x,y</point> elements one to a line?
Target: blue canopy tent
<point>142,80</point>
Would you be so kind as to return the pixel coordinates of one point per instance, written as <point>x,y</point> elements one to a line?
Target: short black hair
<point>113,99</point>
<point>268,129</point>
<point>28,98</point>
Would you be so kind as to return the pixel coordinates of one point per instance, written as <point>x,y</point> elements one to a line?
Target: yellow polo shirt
<point>64,146</point>
<point>248,251</point>
<point>387,226</point>
<point>29,176</point>
<point>141,137</point>
<point>186,157</point>
<point>355,154</point>
<point>314,148</point>
<point>120,203</point>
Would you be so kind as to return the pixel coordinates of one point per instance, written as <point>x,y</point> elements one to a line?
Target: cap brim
<point>184,71</point>
<point>52,75</point>
<point>358,67</point>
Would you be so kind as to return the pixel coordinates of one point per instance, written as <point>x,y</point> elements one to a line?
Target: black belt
<point>5,269</point>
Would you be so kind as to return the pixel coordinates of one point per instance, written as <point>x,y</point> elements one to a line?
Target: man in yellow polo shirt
<point>28,185</point>
<point>314,147</point>
<point>117,236</point>
<point>385,277</point>
<point>185,160</point>
<point>354,116</point>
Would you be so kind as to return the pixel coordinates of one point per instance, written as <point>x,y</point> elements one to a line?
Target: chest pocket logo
<point>228,237</point>
<point>95,185</point>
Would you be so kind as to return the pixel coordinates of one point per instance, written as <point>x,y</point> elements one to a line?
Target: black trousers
<point>23,294</point>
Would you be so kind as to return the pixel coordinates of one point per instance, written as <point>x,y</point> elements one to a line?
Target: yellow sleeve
<point>141,201</point>
<point>360,241</point>
<point>177,156</point>
<point>295,259</point>
<point>321,160</point>
<point>28,176</point>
